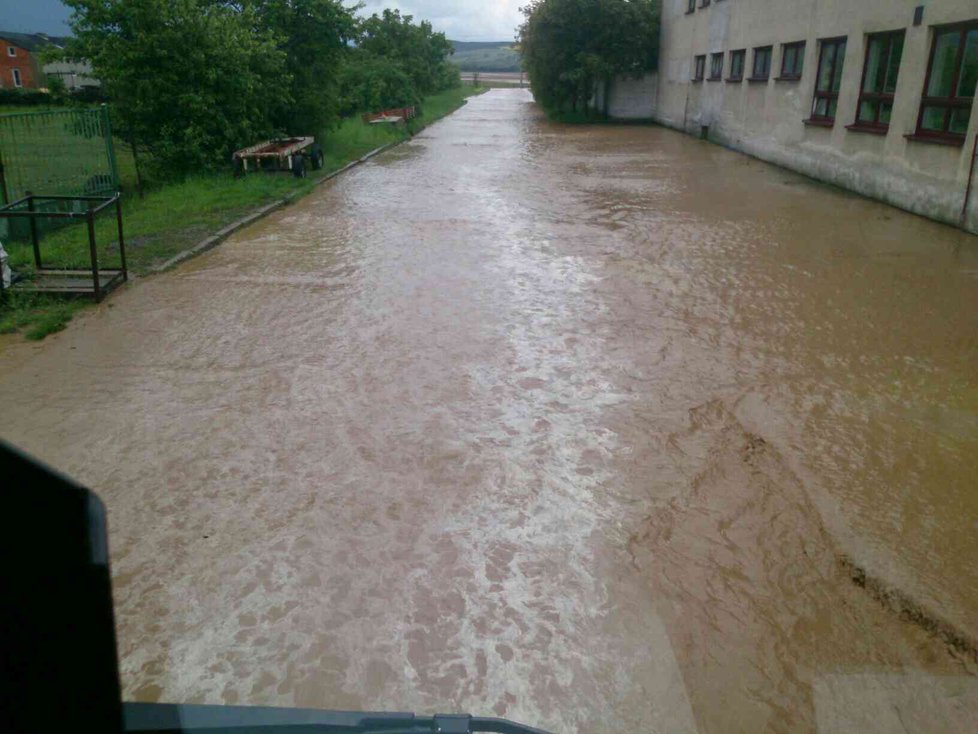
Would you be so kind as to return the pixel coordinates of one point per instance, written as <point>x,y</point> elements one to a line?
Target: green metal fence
<point>61,152</point>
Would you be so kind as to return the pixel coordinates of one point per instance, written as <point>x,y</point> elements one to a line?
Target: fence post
<point>3,185</point>
<point>109,147</point>
<point>34,239</point>
<point>122,242</point>
<point>90,216</point>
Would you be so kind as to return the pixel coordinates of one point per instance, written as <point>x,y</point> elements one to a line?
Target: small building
<point>21,67</point>
<point>876,97</point>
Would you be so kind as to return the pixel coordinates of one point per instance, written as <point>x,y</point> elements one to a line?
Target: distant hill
<point>486,56</point>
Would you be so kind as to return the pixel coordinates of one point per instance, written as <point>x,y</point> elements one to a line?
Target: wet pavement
<point>575,426</point>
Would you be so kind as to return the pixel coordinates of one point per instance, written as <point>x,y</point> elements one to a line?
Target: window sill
<point>787,78</point>
<point>814,122</point>
<point>696,81</point>
<point>949,140</point>
<point>715,79</point>
<point>734,80</point>
<point>689,12</point>
<point>868,129</point>
<point>757,80</point>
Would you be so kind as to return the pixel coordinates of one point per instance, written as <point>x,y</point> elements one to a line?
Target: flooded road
<point>590,428</point>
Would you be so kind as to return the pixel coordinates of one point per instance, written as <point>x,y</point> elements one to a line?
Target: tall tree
<point>314,36</point>
<point>189,80</point>
<point>416,48</point>
<point>571,46</point>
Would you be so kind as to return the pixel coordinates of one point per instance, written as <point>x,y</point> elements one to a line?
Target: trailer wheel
<point>317,158</point>
<point>299,166</point>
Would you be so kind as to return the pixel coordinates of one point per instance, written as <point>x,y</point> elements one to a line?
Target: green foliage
<point>314,36</point>
<point>190,80</point>
<point>373,83</point>
<point>479,56</point>
<point>25,98</point>
<point>571,46</point>
<point>416,48</point>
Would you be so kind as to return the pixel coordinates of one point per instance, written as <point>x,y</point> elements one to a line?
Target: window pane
<point>875,66</point>
<point>933,119</point>
<point>959,120</point>
<point>833,104</point>
<point>840,57</point>
<point>969,66</point>
<point>886,111</point>
<point>867,111</point>
<point>893,68</point>
<point>825,67</point>
<point>821,107</point>
<point>945,59</point>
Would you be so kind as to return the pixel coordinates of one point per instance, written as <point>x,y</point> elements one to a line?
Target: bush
<point>370,84</point>
<point>25,97</point>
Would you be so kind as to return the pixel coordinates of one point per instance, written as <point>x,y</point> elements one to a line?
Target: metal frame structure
<point>56,280</point>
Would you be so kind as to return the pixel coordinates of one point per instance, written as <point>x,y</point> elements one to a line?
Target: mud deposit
<point>569,425</point>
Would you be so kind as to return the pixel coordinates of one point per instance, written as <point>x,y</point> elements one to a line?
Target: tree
<point>416,48</point>
<point>571,46</point>
<point>314,36</point>
<point>189,80</point>
<point>372,83</point>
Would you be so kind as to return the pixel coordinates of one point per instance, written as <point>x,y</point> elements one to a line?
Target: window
<point>11,51</point>
<point>792,61</point>
<point>704,3</point>
<point>691,7</point>
<point>736,65</point>
<point>716,67</point>
<point>949,91</point>
<point>884,52</point>
<point>699,68</point>
<point>831,58</point>
<point>762,64</point>
<point>17,80</point>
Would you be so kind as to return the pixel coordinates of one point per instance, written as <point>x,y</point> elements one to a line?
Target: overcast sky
<point>461,20</point>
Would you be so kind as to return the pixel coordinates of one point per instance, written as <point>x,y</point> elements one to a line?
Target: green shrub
<point>372,84</point>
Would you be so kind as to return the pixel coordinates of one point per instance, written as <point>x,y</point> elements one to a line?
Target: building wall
<point>767,119</point>
<point>24,60</point>
<point>76,74</point>
<point>629,98</point>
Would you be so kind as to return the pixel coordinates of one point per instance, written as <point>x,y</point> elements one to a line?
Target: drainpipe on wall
<point>971,178</point>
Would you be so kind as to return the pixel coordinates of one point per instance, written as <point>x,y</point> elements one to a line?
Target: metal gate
<point>62,152</point>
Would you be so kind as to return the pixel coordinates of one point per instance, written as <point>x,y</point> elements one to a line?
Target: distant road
<point>497,78</point>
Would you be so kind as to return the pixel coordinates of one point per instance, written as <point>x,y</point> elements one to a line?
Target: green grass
<point>35,315</point>
<point>172,218</point>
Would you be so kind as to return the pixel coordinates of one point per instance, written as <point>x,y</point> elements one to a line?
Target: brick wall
<point>23,61</point>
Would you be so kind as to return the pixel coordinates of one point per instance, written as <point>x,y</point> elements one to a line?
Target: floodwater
<point>569,425</point>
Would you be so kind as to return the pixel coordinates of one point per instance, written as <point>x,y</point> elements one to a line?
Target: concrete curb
<point>222,234</point>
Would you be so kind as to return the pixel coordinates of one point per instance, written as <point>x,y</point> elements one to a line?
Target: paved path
<point>534,421</point>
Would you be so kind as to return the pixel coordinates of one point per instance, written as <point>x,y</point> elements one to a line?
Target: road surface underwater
<point>602,429</point>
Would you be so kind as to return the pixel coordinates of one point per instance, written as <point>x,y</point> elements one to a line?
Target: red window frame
<point>828,94</point>
<point>742,55</point>
<point>881,97</point>
<point>699,67</point>
<point>716,76</point>
<point>948,103</point>
<point>792,75</point>
<point>769,50</point>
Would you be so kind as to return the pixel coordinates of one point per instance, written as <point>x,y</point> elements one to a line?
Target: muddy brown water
<point>567,425</point>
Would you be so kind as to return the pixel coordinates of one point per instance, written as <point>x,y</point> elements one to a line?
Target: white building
<point>876,97</point>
